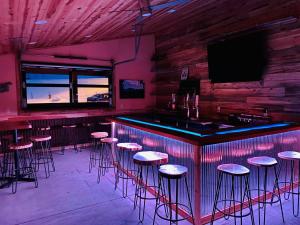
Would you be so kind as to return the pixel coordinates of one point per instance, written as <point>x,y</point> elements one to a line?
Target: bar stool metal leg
<point>124,167</point>
<point>290,158</point>
<point>265,164</point>
<point>173,174</point>
<point>142,184</point>
<point>19,164</point>
<point>239,177</point>
<point>126,170</point>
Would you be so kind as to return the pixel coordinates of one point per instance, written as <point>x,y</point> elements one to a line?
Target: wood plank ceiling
<point>79,21</point>
<point>69,21</point>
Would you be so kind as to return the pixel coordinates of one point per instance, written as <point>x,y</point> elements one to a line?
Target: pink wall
<point>8,100</point>
<point>118,50</point>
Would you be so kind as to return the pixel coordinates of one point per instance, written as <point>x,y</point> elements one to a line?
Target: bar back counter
<point>203,152</point>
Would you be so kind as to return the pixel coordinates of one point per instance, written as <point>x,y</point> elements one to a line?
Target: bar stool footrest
<point>229,211</point>
<point>169,205</point>
<point>144,189</point>
<point>262,197</point>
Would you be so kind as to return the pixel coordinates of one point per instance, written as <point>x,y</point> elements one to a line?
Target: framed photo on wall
<point>132,89</point>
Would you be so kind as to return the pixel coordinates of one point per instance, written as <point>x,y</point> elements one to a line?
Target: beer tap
<point>187,105</point>
<point>197,106</point>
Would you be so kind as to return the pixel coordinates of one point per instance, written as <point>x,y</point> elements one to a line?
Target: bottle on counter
<point>266,113</point>
<point>173,101</point>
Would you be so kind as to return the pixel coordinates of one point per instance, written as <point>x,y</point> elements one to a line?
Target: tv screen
<point>132,89</point>
<point>238,59</point>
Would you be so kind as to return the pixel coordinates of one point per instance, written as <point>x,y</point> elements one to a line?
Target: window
<point>58,85</point>
<point>92,88</point>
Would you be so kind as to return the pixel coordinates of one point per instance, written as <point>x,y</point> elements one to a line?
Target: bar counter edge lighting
<point>198,138</point>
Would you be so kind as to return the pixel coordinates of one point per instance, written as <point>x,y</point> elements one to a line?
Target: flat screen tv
<point>238,59</point>
<point>132,89</point>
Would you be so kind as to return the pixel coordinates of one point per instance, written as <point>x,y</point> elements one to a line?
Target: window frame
<point>73,71</point>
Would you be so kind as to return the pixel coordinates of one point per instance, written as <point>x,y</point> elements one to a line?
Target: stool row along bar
<point>202,162</point>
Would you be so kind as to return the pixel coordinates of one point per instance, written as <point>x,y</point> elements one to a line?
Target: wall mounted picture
<point>132,89</point>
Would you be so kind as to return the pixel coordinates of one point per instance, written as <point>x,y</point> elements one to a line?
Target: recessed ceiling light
<point>88,36</point>
<point>41,22</point>
<point>32,43</point>
<point>171,10</point>
<point>146,14</point>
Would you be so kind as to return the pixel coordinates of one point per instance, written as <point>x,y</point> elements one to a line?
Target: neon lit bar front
<point>203,159</point>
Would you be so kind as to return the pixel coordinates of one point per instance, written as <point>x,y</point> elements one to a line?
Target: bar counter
<point>203,151</point>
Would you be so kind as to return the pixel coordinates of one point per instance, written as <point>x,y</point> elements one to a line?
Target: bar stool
<point>8,139</point>
<point>266,163</point>
<point>124,164</point>
<point>87,130</point>
<point>42,130</point>
<point>106,126</point>
<point>18,163</point>
<point>96,148</point>
<point>170,173</point>
<point>42,153</point>
<point>106,156</point>
<point>71,135</point>
<point>291,157</point>
<point>145,160</point>
<point>239,172</point>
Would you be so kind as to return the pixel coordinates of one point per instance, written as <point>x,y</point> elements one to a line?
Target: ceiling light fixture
<point>41,22</point>
<point>88,36</point>
<point>32,43</point>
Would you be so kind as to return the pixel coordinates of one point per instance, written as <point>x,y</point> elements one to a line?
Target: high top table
<point>14,126</point>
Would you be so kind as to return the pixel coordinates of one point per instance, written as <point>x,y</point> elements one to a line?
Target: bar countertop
<point>206,137</point>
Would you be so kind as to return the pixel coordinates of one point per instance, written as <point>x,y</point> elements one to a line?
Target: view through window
<point>47,85</point>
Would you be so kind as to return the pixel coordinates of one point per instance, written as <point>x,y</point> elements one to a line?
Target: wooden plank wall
<point>279,91</point>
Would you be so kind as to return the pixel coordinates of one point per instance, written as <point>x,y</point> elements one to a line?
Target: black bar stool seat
<point>124,163</point>
<point>175,173</point>
<point>292,157</point>
<point>239,175</point>
<point>42,153</point>
<point>146,160</point>
<point>266,163</point>
<point>106,156</point>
